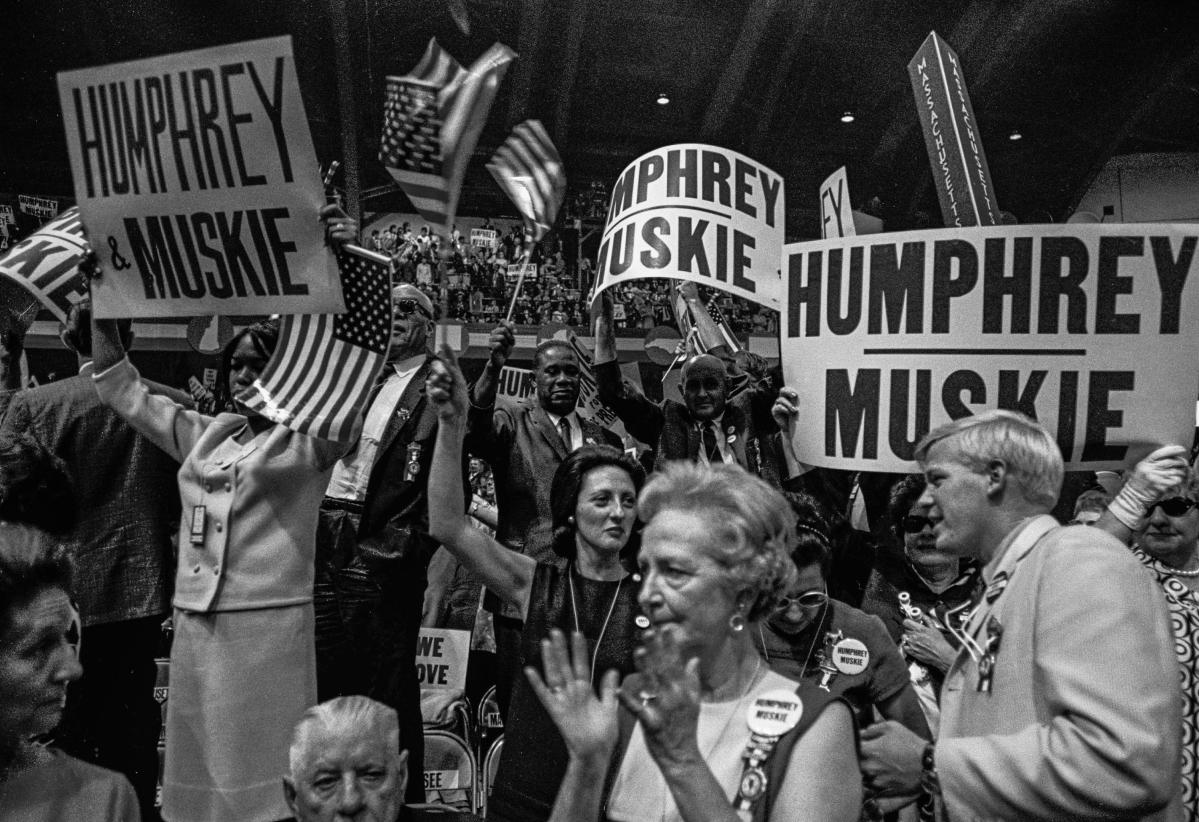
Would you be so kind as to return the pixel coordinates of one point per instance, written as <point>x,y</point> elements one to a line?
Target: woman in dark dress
<point>594,512</point>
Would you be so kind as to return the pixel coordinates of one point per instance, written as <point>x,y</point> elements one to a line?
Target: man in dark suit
<point>128,511</point>
<point>524,442</point>
<point>707,426</point>
<point>372,547</point>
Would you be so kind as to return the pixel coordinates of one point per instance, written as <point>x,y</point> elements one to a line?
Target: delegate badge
<point>774,713</point>
<point>850,656</point>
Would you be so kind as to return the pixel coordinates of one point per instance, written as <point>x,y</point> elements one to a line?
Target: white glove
<point>1153,476</point>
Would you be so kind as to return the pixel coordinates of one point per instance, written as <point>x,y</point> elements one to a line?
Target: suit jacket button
<point>216,571</point>
<point>196,570</point>
<point>228,486</point>
<point>219,527</point>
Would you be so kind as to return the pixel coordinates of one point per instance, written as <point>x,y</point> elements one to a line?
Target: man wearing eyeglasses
<point>372,547</point>
<point>1063,702</point>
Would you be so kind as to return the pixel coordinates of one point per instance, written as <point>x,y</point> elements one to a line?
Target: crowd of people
<point>698,634</point>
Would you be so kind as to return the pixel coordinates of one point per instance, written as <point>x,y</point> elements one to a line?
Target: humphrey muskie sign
<point>197,182</point>
<point>1091,329</point>
<point>699,213</point>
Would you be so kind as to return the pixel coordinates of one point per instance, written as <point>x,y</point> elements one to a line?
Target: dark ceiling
<point>1082,80</point>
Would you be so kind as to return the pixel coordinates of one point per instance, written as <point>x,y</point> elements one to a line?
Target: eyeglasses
<point>914,524</point>
<point>1173,507</point>
<point>407,305</point>
<point>807,601</point>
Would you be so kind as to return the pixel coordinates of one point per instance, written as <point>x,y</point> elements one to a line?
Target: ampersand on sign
<point>118,262</point>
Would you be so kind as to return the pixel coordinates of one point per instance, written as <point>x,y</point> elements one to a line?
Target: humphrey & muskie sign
<point>197,182</point>
<point>1091,329</point>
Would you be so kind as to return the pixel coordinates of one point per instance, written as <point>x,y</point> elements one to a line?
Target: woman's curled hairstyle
<point>568,482</point>
<point>31,561</point>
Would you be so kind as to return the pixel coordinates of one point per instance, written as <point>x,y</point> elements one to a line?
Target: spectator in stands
<point>38,660</point>
<point>707,426</point>
<point>1066,704</point>
<point>714,559</point>
<point>126,510</point>
<point>799,638</point>
<point>593,496</point>
<point>373,548</point>
<point>1090,505</point>
<point>242,661</point>
<point>346,762</point>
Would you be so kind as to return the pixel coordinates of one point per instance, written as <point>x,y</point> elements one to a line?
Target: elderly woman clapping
<point>707,730</point>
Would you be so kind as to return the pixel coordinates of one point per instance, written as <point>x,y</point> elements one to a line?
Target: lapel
<point>593,433</point>
<point>407,409</point>
<point>541,421</point>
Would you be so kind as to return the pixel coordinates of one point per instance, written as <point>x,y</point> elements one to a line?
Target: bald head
<point>705,387</point>
<point>411,322</point>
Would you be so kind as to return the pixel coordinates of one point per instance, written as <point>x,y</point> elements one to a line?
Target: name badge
<point>199,524</point>
<point>850,656</point>
<point>412,465</point>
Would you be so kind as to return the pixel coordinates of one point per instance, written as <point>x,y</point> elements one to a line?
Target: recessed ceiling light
<point>663,99</point>
<point>1015,135</point>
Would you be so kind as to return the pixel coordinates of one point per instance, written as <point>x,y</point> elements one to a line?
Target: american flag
<point>431,121</point>
<point>319,378</point>
<point>687,327</point>
<point>44,264</point>
<point>530,171</point>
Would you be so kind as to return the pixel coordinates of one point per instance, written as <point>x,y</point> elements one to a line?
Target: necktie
<point>564,432</point>
<point>710,446</point>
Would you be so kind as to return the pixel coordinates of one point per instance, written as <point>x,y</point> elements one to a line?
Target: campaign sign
<point>441,656</point>
<point>198,184</point>
<point>6,215</point>
<point>1091,329</point>
<point>954,145</point>
<point>699,213</point>
<point>516,383</point>
<point>41,207</point>
<point>513,272</point>
<point>484,238</point>
<point>836,216</point>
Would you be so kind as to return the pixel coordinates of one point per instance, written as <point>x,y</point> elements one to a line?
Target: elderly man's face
<point>348,778</point>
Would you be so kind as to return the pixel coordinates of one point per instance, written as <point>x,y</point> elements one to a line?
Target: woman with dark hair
<point>811,637</point>
<point>593,513</point>
<point>38,660</point>
<point>243,667</point>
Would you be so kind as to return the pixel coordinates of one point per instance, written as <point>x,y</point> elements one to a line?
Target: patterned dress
<point>1184,621</point>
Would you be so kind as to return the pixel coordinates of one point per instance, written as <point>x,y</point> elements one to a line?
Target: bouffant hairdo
<point>752,526</point>
<point>568,482</point>
<point>264,336</point>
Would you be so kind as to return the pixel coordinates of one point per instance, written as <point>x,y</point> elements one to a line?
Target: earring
<point>570,520</point>
<point>737,623</point>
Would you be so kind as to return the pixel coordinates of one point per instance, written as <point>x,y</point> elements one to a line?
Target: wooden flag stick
<point>520,280</point>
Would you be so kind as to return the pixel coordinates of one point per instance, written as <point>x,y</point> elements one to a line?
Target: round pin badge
<point>850,656</point>
<point>641,621</point>
<point>774,713</point>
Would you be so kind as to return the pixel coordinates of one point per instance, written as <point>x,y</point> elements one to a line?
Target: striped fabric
<point>320,376</point>
<point>530,171</point>
<point>426,147</point>
<point>44,264</point>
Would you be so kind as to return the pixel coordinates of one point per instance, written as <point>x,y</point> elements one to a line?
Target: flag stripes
<point>320,376</point>
<point>530,171</point>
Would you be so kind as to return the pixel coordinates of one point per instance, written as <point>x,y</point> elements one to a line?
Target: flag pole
<point>520,278</point>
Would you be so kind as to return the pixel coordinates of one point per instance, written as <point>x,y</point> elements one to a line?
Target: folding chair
<point>491,764</point>
<point>458,720</point>
<point>490,723</point>
<point>451,775</point>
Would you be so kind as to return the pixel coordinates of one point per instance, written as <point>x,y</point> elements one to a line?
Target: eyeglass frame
<point>924,523</point>
<point>1162,503</point>
<point>784,603</point>
<point>407,306</point>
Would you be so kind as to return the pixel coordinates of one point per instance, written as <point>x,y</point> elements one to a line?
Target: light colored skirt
<point>240,680</point>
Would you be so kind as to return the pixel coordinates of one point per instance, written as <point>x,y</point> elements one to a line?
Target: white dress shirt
<point>352,473</point>
<point>726,450</point>
<point>576,428</point>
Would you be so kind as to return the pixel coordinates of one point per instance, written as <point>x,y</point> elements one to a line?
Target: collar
<point>572,418</point>
<point>1017,544</point>
<point>405,367</point>
<point>87,368</point>
<point>718,421</point>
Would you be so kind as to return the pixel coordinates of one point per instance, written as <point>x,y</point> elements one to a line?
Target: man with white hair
<point>1063,702</point>
<point>346,763</point>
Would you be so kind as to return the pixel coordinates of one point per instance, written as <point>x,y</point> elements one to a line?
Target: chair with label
<point>451,773</point>
<point>491,765</point>
<point>490,723</point>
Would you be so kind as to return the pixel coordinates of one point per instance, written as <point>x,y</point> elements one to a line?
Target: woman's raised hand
<point>786,410</point>
<point>588,725</point>
<point>446,387</point>
<point>668,705</point>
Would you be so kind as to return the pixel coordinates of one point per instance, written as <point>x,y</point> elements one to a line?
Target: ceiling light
<point>847,117</point>
<point>663,99</point>
<point>1015,135</point>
